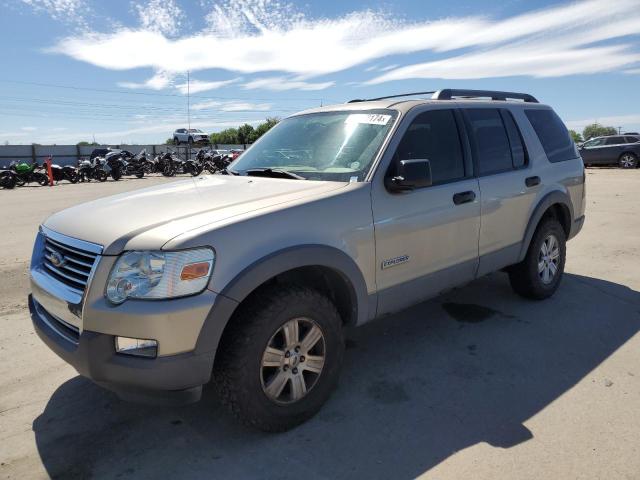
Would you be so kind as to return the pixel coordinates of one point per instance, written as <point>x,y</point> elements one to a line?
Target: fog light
<point>138,347</point>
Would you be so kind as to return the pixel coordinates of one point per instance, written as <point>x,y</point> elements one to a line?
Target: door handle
<point>532,181</point>
<point>464,197</point>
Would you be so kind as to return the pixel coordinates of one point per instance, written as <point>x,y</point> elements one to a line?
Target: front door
<point>426,239</point>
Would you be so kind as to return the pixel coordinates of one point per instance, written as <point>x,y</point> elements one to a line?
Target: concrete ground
<point>478,383</point>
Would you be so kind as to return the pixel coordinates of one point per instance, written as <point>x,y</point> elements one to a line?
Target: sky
<point>116,71</point>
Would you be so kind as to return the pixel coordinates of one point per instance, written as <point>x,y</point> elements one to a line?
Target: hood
<point>150,217</point>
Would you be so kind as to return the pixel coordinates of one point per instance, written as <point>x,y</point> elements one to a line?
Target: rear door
<point>594,151</point>
<point>508,186</point>
<point>426,239</point>
<point>614,147</point>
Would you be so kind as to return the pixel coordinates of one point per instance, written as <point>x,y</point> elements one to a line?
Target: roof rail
<point>356,100</point>
<point>449,93</point>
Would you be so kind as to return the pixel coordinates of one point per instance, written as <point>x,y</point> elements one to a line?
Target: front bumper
<point>172,379</point>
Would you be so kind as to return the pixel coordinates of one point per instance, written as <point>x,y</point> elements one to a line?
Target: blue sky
<point>116,70</point>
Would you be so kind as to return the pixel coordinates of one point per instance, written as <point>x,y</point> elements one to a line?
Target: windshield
<point>335,146</point>
<point>195,130</point>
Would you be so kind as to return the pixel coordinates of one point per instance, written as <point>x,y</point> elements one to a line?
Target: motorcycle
<point>92,170</point>
<point>64,173</point>
<point>8,179</point>
<point>135,164</point>
<point>168,164</point>
<point>26,173</point>
<point>210,162</point>
<point>116,163</point>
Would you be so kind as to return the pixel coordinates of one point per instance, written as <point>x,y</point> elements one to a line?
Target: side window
<point>553,134</point>
<point>492,147</point>
<point>614,141</point>
<point>518,151</point>
<point>434,136</point>
<point>633,139</point>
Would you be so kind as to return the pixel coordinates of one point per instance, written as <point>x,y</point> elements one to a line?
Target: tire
<point>73,177</point>
<point>628,160</point>
<point>8,181</point>
<point>176,141</point>
<point>139,174</point>
<point>42,179</point>
<point>116,174</point>
<point>535,277</point>
<point>169,171</point>
<point>101,176</point>
<point>243,381</point>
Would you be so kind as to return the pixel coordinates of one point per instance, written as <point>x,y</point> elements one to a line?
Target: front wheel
<point>101,176</point>
<point>139,173</point>
<point>42,179</point>
<point>628,160</point>
<point>280,358</point>
<point>538,275</point>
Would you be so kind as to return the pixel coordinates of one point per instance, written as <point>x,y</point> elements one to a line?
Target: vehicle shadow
<point>470,366</point>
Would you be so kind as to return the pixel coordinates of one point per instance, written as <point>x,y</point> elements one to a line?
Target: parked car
<point>189,135</point>
<point>336,216</point>
<point>621,150</point>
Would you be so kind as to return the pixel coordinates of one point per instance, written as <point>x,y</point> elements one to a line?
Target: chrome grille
<point>69,265</point>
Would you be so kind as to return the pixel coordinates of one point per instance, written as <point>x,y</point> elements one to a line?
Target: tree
<point>228,136</point>
<point>245,134</point>
<point>577,138</point>
<point>84,144</point>
<point>264,127</point>
<point>169,141</point>
<point>597,130</point>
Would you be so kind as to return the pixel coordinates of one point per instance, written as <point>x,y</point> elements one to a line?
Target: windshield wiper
<point>272,172</point>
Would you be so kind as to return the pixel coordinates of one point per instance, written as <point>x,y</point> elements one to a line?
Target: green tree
<point>577,138</point>
<point>228,136</point>
<point>264,127</point>
<point>597,130</point>
<point>245,134</point>
<point>84,144</point>
<point>169,141</point>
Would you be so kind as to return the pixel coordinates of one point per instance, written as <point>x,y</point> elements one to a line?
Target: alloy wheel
<point>293,360</point>
<point>628,161</point>
<point>549,259</point>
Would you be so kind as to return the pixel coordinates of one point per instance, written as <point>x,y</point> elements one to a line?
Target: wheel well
<point>561,213</point>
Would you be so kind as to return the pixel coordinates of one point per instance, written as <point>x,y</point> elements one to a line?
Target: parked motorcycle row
<point>115,164</point>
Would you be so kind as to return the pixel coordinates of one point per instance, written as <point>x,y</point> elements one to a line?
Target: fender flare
<point>551,198</point>
<point>275,264</point>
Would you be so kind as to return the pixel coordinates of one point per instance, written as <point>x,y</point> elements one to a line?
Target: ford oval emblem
<point>57,260</point>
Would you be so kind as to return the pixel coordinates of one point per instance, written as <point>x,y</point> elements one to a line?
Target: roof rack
<point>450,94</point>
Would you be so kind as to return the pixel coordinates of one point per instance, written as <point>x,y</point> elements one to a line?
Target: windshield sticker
<point>368,118</point>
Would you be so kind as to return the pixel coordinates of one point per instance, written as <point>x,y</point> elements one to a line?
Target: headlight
<point>159,275</point>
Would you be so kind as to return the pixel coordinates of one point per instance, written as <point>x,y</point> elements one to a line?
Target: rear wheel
<point>101,176</point>
<point>140,173</point>
<point>176,141</point>
<point>538,275</point>
<point>628,160</point>
<point>280,358</point>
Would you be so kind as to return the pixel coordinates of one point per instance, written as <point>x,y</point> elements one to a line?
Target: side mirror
<point>411,174</point>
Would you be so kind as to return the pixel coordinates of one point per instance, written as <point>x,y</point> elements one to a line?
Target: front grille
<point>69,265</point>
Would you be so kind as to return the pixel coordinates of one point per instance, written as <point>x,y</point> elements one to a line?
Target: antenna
<point>188,103</point>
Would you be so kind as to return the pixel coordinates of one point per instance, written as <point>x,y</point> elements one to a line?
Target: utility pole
<point>619,130</point>
<point>188,103</point>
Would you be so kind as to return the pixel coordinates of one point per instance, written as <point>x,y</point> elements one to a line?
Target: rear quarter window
<point>553,134</point>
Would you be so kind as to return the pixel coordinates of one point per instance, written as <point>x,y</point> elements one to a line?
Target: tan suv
<point>335,217</point>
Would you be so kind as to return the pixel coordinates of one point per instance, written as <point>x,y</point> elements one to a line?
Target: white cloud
<point>163,16</point>
<point>159,81</point>
<point>66,10</point>
<point>282,83</point>
<point>232,106</point>
<point>633,71</point>
<point>196,86</point>
<point>28,129</point>
<point>260,36</point>
<point>627,122</point>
